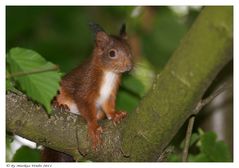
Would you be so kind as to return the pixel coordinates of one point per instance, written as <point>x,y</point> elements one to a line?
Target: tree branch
<point>207,100</point>
<point>62,131</point>
<point>144,134</point>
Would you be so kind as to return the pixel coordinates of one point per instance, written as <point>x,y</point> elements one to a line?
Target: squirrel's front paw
<point>118,116</point>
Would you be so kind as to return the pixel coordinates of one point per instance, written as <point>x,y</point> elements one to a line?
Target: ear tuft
<point>95,28</point>
<point>123,33</point>
<point>101,37</point>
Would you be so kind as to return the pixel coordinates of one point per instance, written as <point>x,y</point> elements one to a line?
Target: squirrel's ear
<point>101,39</point>
<point>123,33</point>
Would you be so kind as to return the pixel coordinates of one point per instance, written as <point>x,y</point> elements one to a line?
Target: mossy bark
<point>203,52</point>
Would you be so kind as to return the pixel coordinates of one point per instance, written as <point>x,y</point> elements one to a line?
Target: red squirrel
<point>90,89</point>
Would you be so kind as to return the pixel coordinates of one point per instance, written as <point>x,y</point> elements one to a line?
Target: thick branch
<point>62,131</point>
<point>145,133</point>
<point>203,52</point>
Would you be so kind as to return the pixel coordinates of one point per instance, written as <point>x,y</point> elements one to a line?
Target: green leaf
<point>215,150</point>
<point>194,138</point>
<point>41,87</point>
<point>26,154</point>
<point>200,131</point>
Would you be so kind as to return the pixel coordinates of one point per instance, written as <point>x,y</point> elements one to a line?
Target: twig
<point>198,108</point>
<point>187,138</point>
<point>207,100</point>
<point>17,74</point>
<point>165,154</point>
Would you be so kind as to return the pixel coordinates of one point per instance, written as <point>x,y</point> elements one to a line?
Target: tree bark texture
<point>175,92</point>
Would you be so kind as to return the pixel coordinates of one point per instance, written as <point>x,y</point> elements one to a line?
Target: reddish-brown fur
<point>82,85</point>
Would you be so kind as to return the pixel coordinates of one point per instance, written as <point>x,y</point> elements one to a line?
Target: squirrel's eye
<point>112,53</point>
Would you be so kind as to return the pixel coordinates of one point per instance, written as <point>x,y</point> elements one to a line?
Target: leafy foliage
<point>41,87</point>
<point>214,150</point>
<point>26,154</point>
<point>194,138</point>
<point>210,149</point>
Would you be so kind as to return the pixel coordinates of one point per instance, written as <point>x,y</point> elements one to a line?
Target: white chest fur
<point>107,85</point>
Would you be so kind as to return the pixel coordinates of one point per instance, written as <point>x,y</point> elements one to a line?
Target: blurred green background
<point>62,36</point>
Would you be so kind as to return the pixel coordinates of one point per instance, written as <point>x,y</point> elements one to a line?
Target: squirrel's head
<point>113,52</point>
